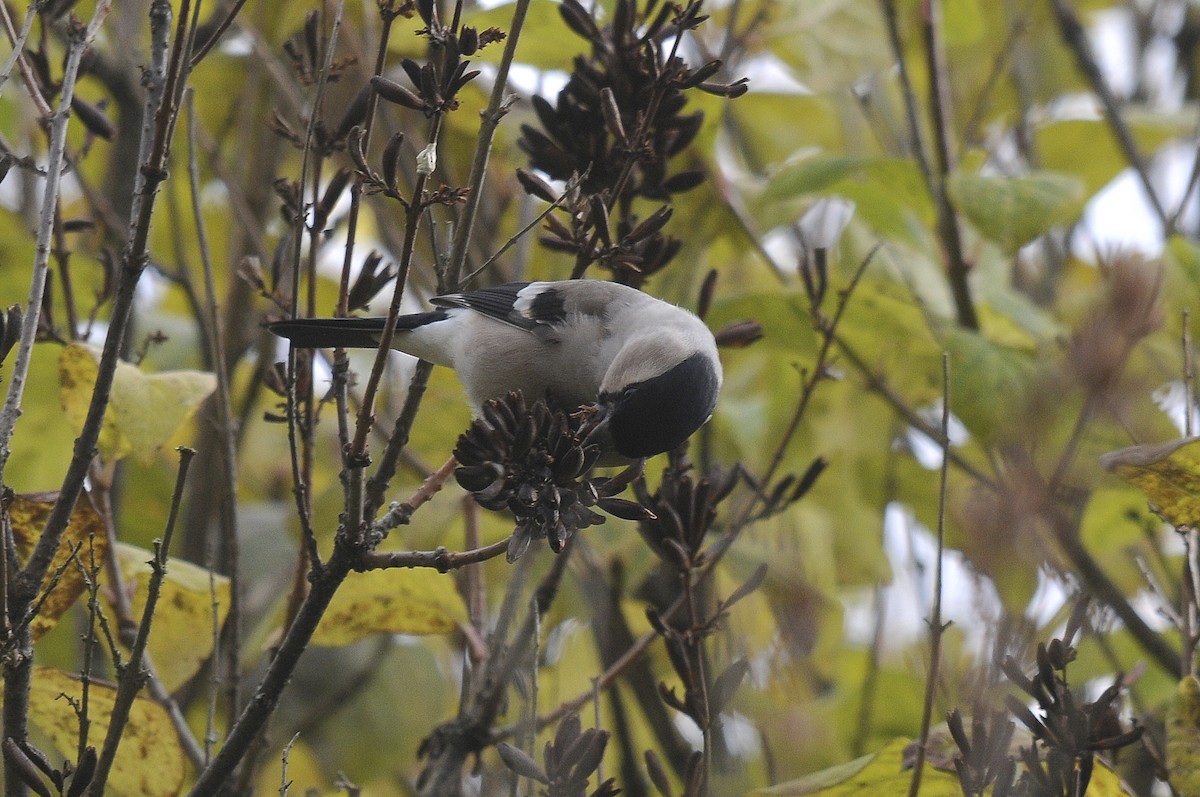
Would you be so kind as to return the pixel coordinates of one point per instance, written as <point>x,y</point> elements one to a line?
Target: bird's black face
<point>658,414</point>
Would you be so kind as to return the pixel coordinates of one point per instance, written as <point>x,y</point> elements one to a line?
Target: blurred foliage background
<point>1038,222</point>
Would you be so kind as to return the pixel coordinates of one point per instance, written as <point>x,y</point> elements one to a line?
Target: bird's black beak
<point>594,430</point>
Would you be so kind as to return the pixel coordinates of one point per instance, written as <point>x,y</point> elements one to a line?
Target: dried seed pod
<point>10,329</point>
<point>391,160</point>
<point>93,118</point>
<point>535,186</point>
<point>699,75</point>
<point>356,114</point>
<point>392,91</point>
<point>731,90</point>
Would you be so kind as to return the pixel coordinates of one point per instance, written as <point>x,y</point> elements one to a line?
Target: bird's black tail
<point>346,333</point>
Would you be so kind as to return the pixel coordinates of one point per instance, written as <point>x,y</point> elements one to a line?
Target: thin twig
<point>571,185</point>
<point>133,676</point>
<point>284,783</point>
<point>1097,583</point>
<point>461,736</point>
<point>214,662</point>
<point>912,116</point>
<point>1075,38</point>
<point>439,559</point>
<point>880,386</point>
<point>400,514</point>
<point>491,116</point>
<point>936,628</point>
<point>1189,631</point>
<point>262,703</point>
<point>957,268</point>
<point>80,38</point>
<point>226,431</point>
<point>18,672</point>
<point>17,56</point>
<point>376,485</point>
<point>1189,401</point>
<point>217,34</point>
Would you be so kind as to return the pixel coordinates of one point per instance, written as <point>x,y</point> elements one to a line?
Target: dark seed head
<point>533,461</point>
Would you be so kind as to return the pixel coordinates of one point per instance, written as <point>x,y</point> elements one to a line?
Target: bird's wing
<point>532,306</point>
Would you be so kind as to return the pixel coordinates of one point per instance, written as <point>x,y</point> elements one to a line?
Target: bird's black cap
<point>658,414</point>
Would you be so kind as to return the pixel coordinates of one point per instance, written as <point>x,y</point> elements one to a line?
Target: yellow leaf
<point>416,601</point>
<point>145,410</point>
<point>181,638</point>
<point>1183,737</point>
<point>85,532</point>
<point>1168,473</point>
<point>884,774</point>
<point>149,761</point>
<point>880,773</point>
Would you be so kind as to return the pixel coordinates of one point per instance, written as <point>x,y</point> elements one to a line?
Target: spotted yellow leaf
<point>181,639</point>
<point>1183,737</point>
<point>144,411</point>
<point>397,601</point>
<point>86,535</point>
<point>149,762</point>
<point>879,773</point>
<point>1168,473</point>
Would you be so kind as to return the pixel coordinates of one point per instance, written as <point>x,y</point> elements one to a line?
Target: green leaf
<point>815,173</point>
<point>1088,150</point>
<point>1012,211</point>
<point>988,381</point>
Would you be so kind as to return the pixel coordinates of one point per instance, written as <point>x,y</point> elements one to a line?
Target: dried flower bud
<point>650,225</point>
<point>683,182</point>
<point>24,767</point>
<point>78,225</point>
<point>312,46</point>
<point>468,40</point>
<point>354,142</point>
<point>425,8</point>
<point>579,20</point>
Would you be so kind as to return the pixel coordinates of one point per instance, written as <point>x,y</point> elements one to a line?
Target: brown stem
<point>936,628</point>
<point>957,269</point>
<point>134,676</point>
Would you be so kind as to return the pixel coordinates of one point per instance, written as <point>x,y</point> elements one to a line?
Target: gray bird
<point>649,368</point>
